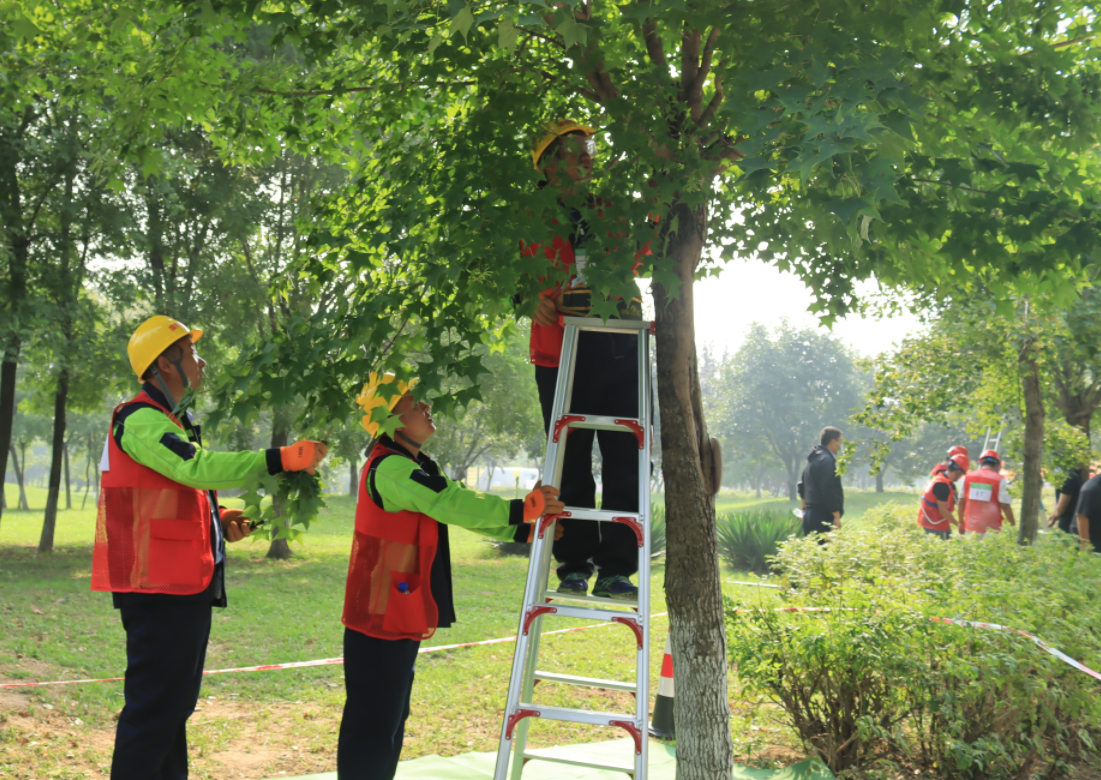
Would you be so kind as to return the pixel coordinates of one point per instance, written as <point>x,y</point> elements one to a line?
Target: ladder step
<point>570,715</point>
<point>577,760</point>
<point>590,682</point>
<point>600,515</point>
<point>586,613</point>
<point>553,595</point>
<point>611,326</point>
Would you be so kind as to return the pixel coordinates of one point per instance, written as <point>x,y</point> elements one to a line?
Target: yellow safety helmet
<point>554,131</point>
<point>153,337</point>
<point>373,395</point>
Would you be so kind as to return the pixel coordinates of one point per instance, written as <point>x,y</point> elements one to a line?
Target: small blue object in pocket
<point>404,588</point>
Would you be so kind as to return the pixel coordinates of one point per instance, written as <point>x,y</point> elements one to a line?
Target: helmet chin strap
<point>407,440</point>
<point>163,385</point>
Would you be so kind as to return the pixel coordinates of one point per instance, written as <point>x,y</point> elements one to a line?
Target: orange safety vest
<point>545,347</point>
<point>929,515</point>
<point>389,589</point>
<point>983,512</point>
<point>152,534</point>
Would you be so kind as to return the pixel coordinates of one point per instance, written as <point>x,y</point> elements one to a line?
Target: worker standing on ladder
<point>606,381</point>
<point>399,577</point>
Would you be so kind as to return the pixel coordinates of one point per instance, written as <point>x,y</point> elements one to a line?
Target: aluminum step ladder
<point>541,602</point>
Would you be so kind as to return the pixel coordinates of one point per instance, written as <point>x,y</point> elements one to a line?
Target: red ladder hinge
<point>565,420</point>
<point>634,426</point>
<point>630,522</point>
<point>535,612</point>
<point>633,730</point>
<point>518,716</point>
<point>631,623</point>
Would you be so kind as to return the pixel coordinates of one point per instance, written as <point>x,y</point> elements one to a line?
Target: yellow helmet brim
<point>554,132</point>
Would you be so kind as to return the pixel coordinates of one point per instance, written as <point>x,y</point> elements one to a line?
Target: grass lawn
<point>256,725</point>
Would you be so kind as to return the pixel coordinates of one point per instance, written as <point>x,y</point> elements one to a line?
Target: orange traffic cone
<point>661,726</point>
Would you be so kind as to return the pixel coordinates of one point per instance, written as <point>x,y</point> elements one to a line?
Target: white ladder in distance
<point>541,602</point>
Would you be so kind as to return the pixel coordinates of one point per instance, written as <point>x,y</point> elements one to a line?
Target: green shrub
<point>748,538</point>
<point>875,678</point>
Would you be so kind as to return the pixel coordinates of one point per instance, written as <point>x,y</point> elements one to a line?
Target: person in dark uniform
<point>820,488</point>
<point>1088,513</point>
<point>1066,501</point>
<point>160,545</point>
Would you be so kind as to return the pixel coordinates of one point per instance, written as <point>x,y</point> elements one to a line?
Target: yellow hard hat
<point>373,395</point>
<point>554,131</point>
<point>153,337</point>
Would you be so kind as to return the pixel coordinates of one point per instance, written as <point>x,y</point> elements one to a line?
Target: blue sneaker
<point>616,587</point>
<point>575,583</point>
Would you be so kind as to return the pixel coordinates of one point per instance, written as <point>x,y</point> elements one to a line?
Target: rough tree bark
<point>693,591</point>
<point>61,397</point>
<point>1033,448</point>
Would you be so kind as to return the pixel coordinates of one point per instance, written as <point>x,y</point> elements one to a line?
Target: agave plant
<point>748,538</point>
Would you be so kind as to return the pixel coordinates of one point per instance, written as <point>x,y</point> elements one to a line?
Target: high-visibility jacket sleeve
<point>153,440</point>
<point>404,485</point>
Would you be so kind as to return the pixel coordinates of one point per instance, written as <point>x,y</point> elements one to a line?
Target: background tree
<point>780,389</point>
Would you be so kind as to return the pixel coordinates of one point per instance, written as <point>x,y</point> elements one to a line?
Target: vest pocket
<point>174,557</point>
<point>405,613</point>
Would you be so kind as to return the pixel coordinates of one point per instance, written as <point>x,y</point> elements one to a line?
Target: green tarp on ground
<point>479,766</point>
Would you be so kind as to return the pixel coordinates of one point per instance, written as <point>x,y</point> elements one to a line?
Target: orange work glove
<point>303,456</point>
<point>543,500</point>
<point>234,526</point>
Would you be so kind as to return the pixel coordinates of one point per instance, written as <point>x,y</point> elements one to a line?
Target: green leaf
<point>572,32</point>
<point>507,34</point>
<point>462,21</point>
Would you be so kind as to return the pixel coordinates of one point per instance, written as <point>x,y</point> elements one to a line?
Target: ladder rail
<point>519,709</point>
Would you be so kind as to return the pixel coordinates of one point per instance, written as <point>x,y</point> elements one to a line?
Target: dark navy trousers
<point>165,652</point>
<point>378,681</point>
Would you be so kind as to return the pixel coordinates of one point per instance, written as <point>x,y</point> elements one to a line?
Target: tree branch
<point>655,47</point>
<point>708,114</point>
<point>689,61</point>
<point>695,93</point>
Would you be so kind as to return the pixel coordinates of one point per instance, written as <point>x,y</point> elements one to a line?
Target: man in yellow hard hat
<point>606,371</point>
<point>160,543</point>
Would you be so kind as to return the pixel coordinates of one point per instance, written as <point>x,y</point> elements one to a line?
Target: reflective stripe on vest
<point>389,591</point>
<point>929,515</point>
<point>152,534</point>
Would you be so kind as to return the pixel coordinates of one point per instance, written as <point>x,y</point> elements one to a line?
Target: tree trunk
<point>353,474</point>
<point>7,410</point>
<point>68,482</point>
<point>61,397</point>
<point>760,472</point>
<point>280,549</point>
<point>879,482</point>
<point>692,576</point>
<point>1033,451</point>
<point>19,478</point>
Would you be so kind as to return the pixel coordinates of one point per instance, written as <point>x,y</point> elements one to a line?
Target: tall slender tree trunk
<point>353,474</point>
<point>61,397</point>
<point>68,482</point>
<point>280,549</point>
<point>760,474</point>
<point>692,575</point>
<point>879,481</point>
<point>19,478</point>
<point>1033,450</point>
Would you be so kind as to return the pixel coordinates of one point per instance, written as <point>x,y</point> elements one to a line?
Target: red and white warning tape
<point>333,661</point>
<point>318,662</point>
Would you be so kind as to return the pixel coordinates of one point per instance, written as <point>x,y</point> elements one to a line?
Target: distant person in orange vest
<point>941,467</point>
<point>985,498</point>
<point>399,576</point>
<point>160,544</point>
<point>938,502</point>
